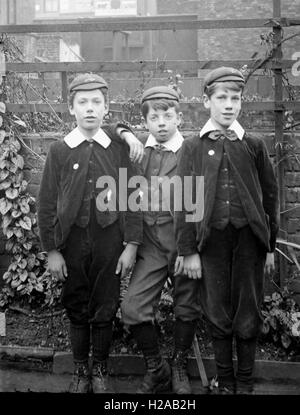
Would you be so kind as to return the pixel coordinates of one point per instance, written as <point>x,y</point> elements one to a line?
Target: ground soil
<point>41,328</point>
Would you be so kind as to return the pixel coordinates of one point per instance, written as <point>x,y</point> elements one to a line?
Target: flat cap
<point>223,74</point>
<point>160,92</point>
<point>87,82</point>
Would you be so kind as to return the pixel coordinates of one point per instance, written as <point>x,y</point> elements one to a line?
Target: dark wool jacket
<point>63,186</point>
<point>255,181</point>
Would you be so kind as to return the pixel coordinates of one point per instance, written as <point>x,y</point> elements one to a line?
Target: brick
<point>293,210</point>
<point>292,164</point>
<point>293,225</point>
<point>292,179</point>
<point>292,194</point>
<point>295,238</point>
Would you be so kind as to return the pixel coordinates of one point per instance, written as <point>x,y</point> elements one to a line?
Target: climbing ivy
<point>26,278</point>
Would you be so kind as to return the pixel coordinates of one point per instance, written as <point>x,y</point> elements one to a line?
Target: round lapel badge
<point>211,152</point>
<point>75,166</point>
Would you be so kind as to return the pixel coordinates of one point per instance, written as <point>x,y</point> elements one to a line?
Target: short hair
<point>73,93</point>
<point>159,104</point>
<point>234,85</point>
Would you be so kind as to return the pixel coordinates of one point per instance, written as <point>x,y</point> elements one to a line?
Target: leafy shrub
<point>282,319</point>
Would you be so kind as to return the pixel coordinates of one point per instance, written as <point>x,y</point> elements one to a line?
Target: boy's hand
<point>192,266</point>
<point>178,267</point>
<point>136,148</point>
<point>127,260</point>
<point>270,263</point>
<point>57,265</point>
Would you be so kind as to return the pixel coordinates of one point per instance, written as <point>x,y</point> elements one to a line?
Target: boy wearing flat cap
<point>83,236</point>
<point>232,246</point>
<point>157,256</point>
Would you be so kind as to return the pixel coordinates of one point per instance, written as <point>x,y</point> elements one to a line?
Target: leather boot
<point>223,359</point>
<point>101,380</point>
<point>245,349</point>
<point>81,380</point>
<point>158,375</point>
<point>180,380</point>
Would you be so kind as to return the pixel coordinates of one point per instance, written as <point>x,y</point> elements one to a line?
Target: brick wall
<point>47,45</point>
<point>235,43</point>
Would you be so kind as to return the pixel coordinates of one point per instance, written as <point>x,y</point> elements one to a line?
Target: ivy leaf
<point>13,266</point>
<point>16,213</point>
<point>12,167</point>
<point>41,256</point>
<point>3,174</point>
<point>18,161</point>
<point>19,122</point>
<point>1,120</point>
<point>12,193</point>
<point>5,185</point>
<point>23,185</point>
<point>25,208</point>
<point>24,275</point>
<point>32,276</point>
<point>39,287</point>
<point>15,283</point>
<point>25,223</point>
<point>20,287</point>
<point>16,144</point>
<point>2,107</point>
<point>6,275</point>
<point>273,322</point>
<point>9,233</point>
<point>5,206</point>
<point>22,264</point>
<point>4,163</point>
<point>7,219</point>
<point>29,288</point>
<point>2,136</point>
<point>28,246</point>
<point>19,234</point>
<point>9,245</point>
<point>285,340</point>
<point>31,261</point>
<point>265,327</point>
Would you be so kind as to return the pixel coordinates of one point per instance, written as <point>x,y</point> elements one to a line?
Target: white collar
<point>173,144</point>
<point>75,137</point>
<point>235,126</point>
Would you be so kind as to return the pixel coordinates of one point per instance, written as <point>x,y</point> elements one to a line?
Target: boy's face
<point>163,124</point>
<point>224,105</point>
<point>89,108</point>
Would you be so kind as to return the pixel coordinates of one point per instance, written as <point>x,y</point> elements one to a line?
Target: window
<point>51,5</point>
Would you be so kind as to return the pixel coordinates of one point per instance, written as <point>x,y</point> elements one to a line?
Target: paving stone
<point>12,380</point>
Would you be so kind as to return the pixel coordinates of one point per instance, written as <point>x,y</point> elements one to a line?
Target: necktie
<point>160,147</point>
<point>215,135</point>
